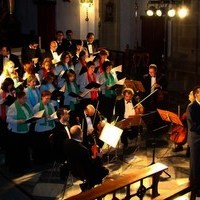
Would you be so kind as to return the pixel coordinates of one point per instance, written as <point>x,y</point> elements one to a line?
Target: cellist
<point>179,145</point>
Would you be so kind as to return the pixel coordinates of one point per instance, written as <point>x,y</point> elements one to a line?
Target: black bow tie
<point>89,43</point>
<point>5,56</point>
<point>128,102</point>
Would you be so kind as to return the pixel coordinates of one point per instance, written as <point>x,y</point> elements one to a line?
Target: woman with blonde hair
<point>9,71</point>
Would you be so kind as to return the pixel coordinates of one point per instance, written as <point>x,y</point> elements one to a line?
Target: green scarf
<point>69,89</point>
<point>50,111</point>
<point>109,81</point>
<point>21,115</point>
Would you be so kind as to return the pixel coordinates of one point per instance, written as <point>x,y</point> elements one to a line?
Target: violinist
<point>125,108</point>
<point>152,81</point>
<point>89,120</point>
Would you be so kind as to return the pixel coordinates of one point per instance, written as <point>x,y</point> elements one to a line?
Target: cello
<point>178,134</point>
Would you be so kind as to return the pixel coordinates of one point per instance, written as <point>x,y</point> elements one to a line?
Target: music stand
<point>111,136</point>
<point>169,117</point>
<point>150,119</point>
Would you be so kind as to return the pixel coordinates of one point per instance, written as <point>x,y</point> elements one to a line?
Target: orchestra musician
<point>89,120</point>
<point>181,133</point>
<point>61,132</point>
<point>152,81</point>
<point>81,163</point>
<point>124,109</point>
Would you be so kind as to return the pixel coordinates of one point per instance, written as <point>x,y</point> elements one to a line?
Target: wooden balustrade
<point>125,181</point>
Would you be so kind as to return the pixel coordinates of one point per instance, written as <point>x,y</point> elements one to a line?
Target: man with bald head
<point>80,161</point>
<point>88,121</point>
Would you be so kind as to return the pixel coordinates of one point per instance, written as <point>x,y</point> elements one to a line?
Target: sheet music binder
<point>83,70</point>
<point>92,85</point>
<point>35,117</point>
<point>56,94</point>
<point>9,100</point>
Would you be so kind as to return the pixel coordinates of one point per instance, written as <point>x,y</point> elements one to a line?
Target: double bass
<point>178,134</point>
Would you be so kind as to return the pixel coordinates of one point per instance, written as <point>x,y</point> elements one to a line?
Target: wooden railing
<point>175,192</point>
<point>112,186</point>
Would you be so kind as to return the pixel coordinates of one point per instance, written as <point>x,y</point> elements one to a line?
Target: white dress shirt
<point>129,110</point>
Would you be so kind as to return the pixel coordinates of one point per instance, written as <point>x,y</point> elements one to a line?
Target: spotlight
<point>150,11</point>
<point>171,12</point>
<point>159,12</point>
<point>182,12</point>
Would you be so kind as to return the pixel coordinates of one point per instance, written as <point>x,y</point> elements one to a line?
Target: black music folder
<point>57,93</point>
<point>35,117</point>
<point>72,94</point>
<point>92,85</point>
<point>9,100</point>
<point>83,70</point>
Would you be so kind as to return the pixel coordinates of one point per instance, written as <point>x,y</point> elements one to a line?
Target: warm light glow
<point>150,12</point>
<point>86,4</point>
<point>183,12</point>
<point>158,12</point>
<point>171,12</point>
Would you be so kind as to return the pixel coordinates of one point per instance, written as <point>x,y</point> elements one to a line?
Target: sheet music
<point>117,69</point>
<point>63,88</point>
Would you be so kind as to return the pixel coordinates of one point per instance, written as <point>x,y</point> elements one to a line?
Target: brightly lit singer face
<point>91,69</point>
<point>32,83</point>
<point>22,100</point>
<point>71,77</point>
<point>46,99</point>
<point>90,39</point>
<point>67,59</point>
<point>48,66</point>
<point>11,69</point>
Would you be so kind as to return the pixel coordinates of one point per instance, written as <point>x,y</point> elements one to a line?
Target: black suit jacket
<point>94,47</point>
<point>29,54</point>
<point>58,139</point>
<point>48,54</point>
<point>160,79</point>
<point>82,165</point>
<point>120,108</point>
<point>193,115</point>
<point>61,47</point>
